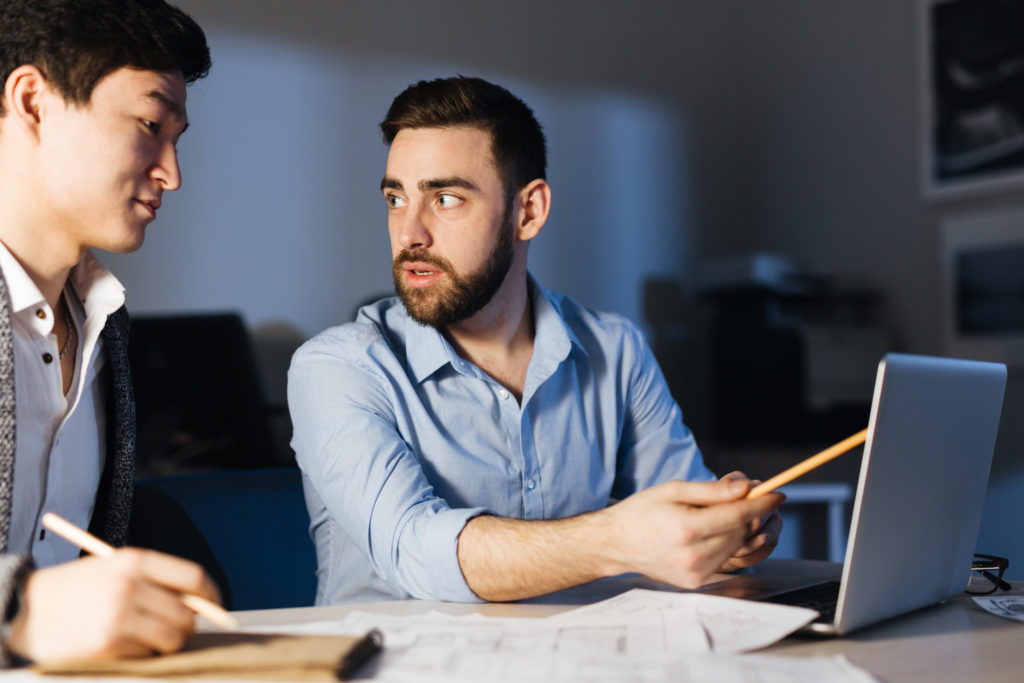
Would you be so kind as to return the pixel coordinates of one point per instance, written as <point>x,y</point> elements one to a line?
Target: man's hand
<point>125,605</point>
<point>679,532</point>
<point>682,532</point>
<point>763,537</point>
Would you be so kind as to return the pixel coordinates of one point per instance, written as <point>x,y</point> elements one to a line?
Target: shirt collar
<point>552,331</point>
<point>22,290</point>
<point>428,350</point>
<point>99,291</point>
<point>96,287</point>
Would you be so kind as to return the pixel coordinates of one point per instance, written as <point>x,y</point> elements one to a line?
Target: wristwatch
<point>12,608</point>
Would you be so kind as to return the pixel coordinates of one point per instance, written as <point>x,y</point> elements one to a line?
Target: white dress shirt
<point>61,440</point>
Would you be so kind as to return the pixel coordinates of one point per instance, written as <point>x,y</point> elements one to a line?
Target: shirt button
<point>503,394</point>
<point>531,485</point>
<point>41,314</point>
<point>47,357</point>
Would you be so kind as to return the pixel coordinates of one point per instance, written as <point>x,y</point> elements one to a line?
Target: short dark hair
<point>517,141</point>
<point>75,43</point>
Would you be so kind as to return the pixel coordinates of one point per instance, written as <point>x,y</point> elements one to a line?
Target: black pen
<point>360,654</point>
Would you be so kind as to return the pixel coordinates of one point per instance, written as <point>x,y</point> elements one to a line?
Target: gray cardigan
<point>114,497</point>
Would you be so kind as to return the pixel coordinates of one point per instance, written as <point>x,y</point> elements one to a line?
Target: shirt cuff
<point>438,536</point>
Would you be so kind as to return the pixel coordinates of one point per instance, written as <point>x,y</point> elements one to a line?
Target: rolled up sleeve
<point>349,444</point>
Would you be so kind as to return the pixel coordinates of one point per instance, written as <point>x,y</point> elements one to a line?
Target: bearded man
<point>480,437</point>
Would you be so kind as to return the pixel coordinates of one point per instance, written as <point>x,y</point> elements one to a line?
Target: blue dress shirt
<point>401,441</point>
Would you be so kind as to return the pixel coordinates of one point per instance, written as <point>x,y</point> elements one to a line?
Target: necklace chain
<point>71,330</point>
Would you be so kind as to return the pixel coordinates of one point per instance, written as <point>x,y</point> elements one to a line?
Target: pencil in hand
<point>83,539</point>
<point>809,464</point>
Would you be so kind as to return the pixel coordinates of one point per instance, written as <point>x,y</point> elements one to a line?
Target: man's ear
<point>534,205</point>
<point>23,94</point>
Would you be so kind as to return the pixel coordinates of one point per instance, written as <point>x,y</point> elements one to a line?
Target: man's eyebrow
<point>172,105</point>
<point>441,183</point>
<point>427,185</point>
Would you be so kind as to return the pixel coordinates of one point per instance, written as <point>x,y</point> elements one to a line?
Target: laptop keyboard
<point>820,596</point>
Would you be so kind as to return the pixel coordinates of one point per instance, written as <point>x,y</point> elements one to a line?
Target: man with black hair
<point>93,104</point>
<point>481,437</point>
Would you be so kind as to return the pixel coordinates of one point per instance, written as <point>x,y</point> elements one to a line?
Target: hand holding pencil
<point>120,603</point>
<point>764,536</point>
<point>90,544</point>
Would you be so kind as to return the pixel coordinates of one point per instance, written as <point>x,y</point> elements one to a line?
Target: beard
<point>464,296</point>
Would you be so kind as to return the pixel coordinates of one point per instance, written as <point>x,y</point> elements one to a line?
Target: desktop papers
<point>731,625</point>
<point>640,636</point>
<point>446,666</point>
<point>1009,606</point>
<point>638,622</point>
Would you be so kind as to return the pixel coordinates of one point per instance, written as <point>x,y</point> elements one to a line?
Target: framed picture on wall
<point>982,275</point>
<point>973,78</point>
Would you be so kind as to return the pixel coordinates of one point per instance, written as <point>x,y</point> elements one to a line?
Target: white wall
<point>280,215</point>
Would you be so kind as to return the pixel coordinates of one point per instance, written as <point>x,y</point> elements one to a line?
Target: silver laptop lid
<point>922,486</point>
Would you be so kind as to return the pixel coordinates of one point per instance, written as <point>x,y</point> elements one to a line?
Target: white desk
<point>957,641</point>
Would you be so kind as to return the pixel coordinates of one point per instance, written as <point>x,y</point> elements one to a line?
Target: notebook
<point>923,478</point>
<point>239,656</point>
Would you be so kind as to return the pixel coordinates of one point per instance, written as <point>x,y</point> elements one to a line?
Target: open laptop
<point>919,500</point>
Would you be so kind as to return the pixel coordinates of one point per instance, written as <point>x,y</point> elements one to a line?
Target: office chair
<point>200,400</point>
<point>248,529</point>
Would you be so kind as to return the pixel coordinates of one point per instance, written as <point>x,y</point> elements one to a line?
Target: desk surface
<point>957,641</point>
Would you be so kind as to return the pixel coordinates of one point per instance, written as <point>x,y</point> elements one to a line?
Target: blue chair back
<point>249,529</point>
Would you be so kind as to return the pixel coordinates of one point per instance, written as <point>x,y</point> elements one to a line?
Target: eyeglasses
<point>987,575</point>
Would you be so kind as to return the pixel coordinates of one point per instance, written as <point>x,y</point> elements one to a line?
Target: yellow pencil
<point>809,464</point>
<point>83,539</point>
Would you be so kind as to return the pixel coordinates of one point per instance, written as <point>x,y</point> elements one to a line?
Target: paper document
<point>1009,606</point>
<point>679,632</point>
<point>420,666</point>
<point>731,625</point>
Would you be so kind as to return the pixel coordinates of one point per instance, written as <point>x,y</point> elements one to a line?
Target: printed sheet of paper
<point>1009,606</point>
<point>731,625</point>
<point>419,666</point>
<point>678,632</point>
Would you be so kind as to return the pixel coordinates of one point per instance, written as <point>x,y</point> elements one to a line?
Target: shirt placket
<point>45,345</point>
<point>533,492</point>
<point>513,420</point>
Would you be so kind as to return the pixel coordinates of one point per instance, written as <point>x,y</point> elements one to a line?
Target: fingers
<point>757,547</point>
<point>703,493</point>
<point>736,474</point>
<point>730,530</point>
<point>145,628</point>
<point>173,573</point>
<point>772,527</point>
<point>742,516</point>
<point>152,601</point>
<point>766,534</point>
<point>127,604</point>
